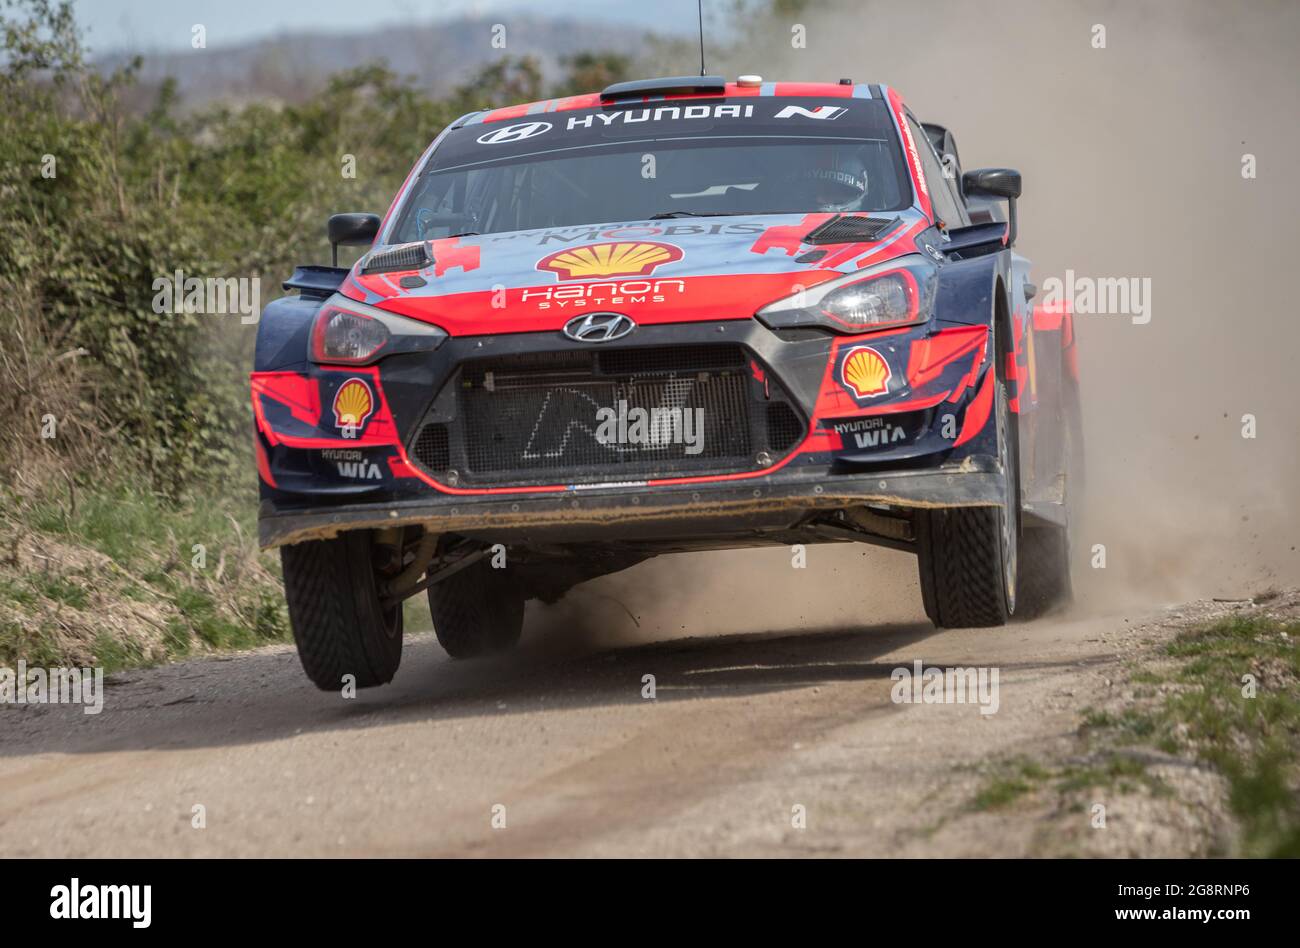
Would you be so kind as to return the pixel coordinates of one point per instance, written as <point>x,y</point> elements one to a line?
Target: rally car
<point>679,314</point>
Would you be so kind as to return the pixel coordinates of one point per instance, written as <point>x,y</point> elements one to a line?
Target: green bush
<point>220,193</point>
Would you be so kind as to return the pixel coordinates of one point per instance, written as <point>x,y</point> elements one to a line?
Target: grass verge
<point>123,578</point>
<point>1224,695</point>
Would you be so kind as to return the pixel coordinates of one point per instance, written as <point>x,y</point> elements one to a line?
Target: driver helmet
<point>836,181</point>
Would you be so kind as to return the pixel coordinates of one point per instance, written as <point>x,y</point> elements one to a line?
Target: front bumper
<point>661,513</point>
<point>317,483</point>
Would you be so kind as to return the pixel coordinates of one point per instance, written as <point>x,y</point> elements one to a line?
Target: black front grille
<point>670,359</point>
<point>784,427</point>
<point>432,448</point>
<point>594,415</point>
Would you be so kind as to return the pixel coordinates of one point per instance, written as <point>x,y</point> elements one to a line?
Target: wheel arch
<point>283,331</point>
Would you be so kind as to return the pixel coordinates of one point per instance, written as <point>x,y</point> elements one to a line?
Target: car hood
<point>678,270</point>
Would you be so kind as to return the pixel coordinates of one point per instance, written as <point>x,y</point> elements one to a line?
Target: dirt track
<point>1127,152</point>
<point>744,728</point>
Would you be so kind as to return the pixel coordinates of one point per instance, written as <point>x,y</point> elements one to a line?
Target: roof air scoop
<point>670,85</point>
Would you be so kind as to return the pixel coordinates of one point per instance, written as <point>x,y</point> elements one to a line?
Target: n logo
<point>826,112</point>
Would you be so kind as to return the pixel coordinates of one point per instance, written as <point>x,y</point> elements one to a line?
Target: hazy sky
<point>143,25</point>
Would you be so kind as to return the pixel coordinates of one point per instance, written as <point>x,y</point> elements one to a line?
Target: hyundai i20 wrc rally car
<point>680,314</point>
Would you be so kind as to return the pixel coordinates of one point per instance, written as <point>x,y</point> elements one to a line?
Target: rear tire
<point>338,622</point>
<point>1045,550</point>
<point>477,611</point>
<point>1044,571</point>
<point>967,555</point>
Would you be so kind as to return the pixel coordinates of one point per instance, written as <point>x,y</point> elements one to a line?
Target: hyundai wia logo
<point>598,327</point>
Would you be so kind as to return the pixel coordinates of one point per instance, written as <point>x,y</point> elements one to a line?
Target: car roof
<point>591,100</point>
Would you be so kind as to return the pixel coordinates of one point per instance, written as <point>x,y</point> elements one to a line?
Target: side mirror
<point>351,230</point>
<point>998,183</point>
<point>994,182</point>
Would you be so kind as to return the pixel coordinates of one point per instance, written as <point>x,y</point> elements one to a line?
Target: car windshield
<point>761,157</point>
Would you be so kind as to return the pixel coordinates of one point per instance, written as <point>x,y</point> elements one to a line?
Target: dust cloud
<point>1132,158</point>
<point>843,586</point>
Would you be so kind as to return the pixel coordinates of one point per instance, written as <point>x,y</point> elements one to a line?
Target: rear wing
<point>944,144</point>
<point>982,209</point>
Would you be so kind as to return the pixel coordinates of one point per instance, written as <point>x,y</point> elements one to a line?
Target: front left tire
<point>968,556</point>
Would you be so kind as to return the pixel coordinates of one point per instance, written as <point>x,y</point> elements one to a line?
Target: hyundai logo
<point>514,133</point>
<point>598,327</point>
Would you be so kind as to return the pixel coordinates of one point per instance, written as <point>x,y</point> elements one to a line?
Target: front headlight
<point>345,332</point>
<point>897,293</point>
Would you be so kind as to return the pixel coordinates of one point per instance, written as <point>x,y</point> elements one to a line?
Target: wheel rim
<point>391,617</point>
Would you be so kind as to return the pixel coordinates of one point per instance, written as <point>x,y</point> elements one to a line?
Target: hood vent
<point>402,257</point>
<point>844,229</point>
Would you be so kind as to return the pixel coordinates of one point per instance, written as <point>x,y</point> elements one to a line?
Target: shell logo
<point>353,403</point>
<point>865,372</point>
<point>616,258</point>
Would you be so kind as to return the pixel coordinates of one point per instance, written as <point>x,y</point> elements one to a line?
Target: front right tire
<point>339,622</point>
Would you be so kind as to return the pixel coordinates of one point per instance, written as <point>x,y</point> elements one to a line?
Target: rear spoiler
<point>672,85</point>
